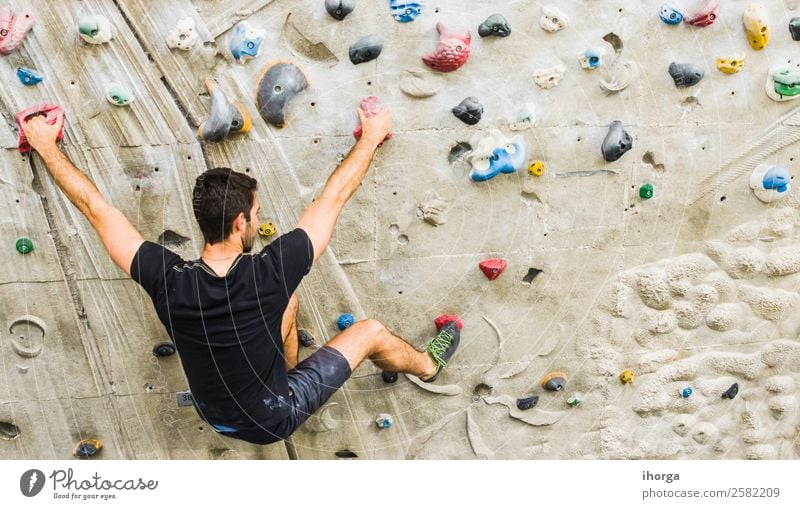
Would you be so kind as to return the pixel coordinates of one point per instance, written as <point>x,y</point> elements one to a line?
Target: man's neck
<point>221,256</point>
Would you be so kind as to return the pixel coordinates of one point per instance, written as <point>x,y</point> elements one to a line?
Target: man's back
<point>227,329</point>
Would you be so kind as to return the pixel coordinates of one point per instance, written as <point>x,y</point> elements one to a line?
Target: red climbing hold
<point>493,268</point>
<point>50,112</point>
<point>370,105</point>
<point>452,51</point>
<point>443,320</point>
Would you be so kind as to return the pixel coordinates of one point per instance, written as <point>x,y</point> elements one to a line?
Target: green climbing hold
<point>646,191</point>
<point>24,245</point>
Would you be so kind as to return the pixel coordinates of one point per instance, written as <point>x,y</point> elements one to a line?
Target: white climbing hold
<point>183,36</point>
<point>525,118</point>
<point>549,77</point>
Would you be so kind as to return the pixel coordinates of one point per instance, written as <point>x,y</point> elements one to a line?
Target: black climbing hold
<point>685,75</point>
<point>339,9</point>
<point>366,49</point>
<point>531,275</point>
<point>389,377</point>
<point>170,238</point>
<point>496,25</point>
<point>469,110</point>
<point>617,142</point>
<point>527,403</point>
<point>87,448</point>
<point>164,349</point>
<point>85,451</point>
<point>794,28</point>
<point>458,150</point>
<point>732,391</point>
<point>305,338</point>
<point>8,431</point>
<point>346,454</point>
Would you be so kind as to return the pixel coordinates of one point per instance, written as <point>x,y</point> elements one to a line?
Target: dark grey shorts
<point>311,383</point>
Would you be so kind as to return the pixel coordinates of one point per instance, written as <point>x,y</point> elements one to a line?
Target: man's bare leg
<point>370,339</point>
<point>291,349</point>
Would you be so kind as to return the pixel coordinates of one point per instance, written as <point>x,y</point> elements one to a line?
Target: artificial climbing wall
<point>695,287</point>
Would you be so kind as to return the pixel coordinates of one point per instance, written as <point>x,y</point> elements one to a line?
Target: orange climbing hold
<point>493,268</point>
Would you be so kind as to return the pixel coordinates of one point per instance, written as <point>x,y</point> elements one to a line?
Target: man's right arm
<point>320,217</point>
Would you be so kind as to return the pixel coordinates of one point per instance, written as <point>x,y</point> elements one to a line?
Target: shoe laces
<point>439,345</point>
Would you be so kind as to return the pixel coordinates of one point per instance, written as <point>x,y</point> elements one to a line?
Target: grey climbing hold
<point>617,142</point>
<point>420,83</point>
<point>365,49</point>
<point>434,211</point>
<point>24,344</point>
<point>621,75</point>
<point>305,338</point>
<point>794,28</point>
<point>279,83</point>
<point>339,9</point>
<point>469,111</point>
<point>527,403</point>
<point>458,150</point>
<point>495,25</point>
<point>224,117</point>
<point>685,75</point>
<point>732,391</point>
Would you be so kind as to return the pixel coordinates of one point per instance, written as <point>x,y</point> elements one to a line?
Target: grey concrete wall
<point>620,275</point>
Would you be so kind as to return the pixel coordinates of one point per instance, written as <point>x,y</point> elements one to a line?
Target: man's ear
<point>240,223</point>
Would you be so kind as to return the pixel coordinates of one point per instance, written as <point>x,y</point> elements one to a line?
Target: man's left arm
<point>120,238</point>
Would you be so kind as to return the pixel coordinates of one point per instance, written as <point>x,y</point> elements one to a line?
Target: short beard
<point>247,241</point>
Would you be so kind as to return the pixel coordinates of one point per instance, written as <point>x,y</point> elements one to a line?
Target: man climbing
<point>232,313</point>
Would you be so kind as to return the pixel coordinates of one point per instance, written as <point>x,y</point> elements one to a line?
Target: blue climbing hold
<point>405,12</point>
<point>670,15</point>
<point>345,321</point>
<point>28,77</point>
<point>777,178</point>
<point>686,392</point>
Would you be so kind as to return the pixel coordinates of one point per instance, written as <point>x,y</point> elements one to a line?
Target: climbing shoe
<point>305,338</point>
<point>443,346</point>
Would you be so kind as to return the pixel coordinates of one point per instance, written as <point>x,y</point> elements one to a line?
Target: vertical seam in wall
<point>65,262</point>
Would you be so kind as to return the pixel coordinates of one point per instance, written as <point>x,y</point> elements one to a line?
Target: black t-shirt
<point>227,330</point>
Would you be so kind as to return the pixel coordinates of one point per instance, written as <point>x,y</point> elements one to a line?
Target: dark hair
<point>219,196</point>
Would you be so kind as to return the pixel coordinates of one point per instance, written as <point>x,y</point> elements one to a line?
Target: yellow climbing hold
<point>731,65</point>
<point>756,25</point>
<point>267,229</point>
<point>536,168</point>
<point>626,376</point>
